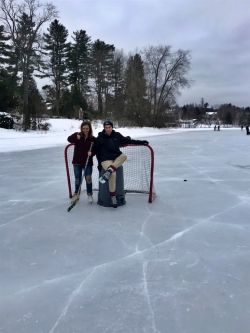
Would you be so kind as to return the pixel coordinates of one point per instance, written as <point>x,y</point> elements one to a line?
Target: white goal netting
<point>138,170</point>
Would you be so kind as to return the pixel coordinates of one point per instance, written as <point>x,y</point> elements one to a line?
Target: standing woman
<point>82,143</point>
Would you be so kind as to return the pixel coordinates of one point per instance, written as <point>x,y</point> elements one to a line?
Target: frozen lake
<point>178,265</point>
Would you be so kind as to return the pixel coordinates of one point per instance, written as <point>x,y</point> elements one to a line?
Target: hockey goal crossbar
<point>138,170</point>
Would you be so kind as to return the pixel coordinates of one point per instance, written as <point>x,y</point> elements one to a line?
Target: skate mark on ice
<point>146,294</point>
<point>48,282</point>
<point>33,212</point>
<point>183,232</point>
<point>134,254</point>
<point>28,200</point>
<point>220,182</point>
<point>71,298</point>
<point>236,226</point>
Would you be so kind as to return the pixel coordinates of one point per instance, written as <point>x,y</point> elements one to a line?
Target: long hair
<point>87,122</point>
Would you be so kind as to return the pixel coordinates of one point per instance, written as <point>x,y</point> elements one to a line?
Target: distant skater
<point>214,127</point>
<point>247,130</point>
<point>218,127</point>
<point>241,127</point>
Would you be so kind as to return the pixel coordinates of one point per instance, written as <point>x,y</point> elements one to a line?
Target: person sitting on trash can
<point>109,156</point>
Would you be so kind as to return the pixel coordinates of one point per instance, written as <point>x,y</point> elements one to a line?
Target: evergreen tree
<point>26,59</point>
<point>71,101</point>
<point>78,61</point>
<point>8,87</point>
<point>26,51</point>
<point>135,90</point>
<point>5,49</point>
<point>117,105</point>
<point>102,56</point>
<point>36,106</point>
<point>22,21</point>
<point>8,98</point>
<point>55,65</point>
<point>228,118</point>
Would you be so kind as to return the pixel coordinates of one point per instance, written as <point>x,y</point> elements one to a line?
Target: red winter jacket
<point>81,149</point>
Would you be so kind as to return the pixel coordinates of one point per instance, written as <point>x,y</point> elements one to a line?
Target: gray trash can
<point>103,194</point>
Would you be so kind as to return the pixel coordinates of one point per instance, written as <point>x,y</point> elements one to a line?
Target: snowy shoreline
<point>11,140</point>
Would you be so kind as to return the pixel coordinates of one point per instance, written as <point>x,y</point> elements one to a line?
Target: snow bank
<point>11,140</point>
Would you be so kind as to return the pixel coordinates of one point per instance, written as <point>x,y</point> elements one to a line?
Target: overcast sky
<point>217,32</point>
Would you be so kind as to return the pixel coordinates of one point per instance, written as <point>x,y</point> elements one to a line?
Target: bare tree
<point>22,23</point>
<point>166,74</point>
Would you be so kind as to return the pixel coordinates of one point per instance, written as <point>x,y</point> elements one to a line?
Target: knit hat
<point>108,122</point>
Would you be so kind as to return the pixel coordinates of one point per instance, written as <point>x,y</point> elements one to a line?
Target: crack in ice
<point>71,298</point>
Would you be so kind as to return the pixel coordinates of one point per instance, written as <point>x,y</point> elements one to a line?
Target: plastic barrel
<point>103,194</point>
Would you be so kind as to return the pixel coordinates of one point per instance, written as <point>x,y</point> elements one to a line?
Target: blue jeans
<point>78,177</point>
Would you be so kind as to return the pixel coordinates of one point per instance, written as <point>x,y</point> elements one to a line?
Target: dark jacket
<point>81,149</point>
<point>107,146</point>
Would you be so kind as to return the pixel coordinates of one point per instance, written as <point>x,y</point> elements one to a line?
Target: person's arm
<point>74,137</point>
<point>128,140</point>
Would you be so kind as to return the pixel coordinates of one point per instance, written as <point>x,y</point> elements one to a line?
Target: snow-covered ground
<point>11,140</point>
<point>178,265</point>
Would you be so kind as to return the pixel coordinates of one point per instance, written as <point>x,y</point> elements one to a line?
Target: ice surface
<point>178,265</point>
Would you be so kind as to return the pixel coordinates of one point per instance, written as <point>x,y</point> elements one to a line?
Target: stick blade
<point>71,206</point>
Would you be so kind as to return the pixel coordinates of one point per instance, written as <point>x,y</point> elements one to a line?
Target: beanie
<point>108,122</point>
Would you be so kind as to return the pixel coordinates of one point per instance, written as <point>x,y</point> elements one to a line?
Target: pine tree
<point>102,56</point>
<point>22,21</point>
<point>78,61</point>
<point>8,86</point>
<point>117,106</point>
<point>5,49</point>
<point>135,90</point>
<point>36,106</point>
<point>55,65</point>
<point>71,101</point>
<point>8,96</point>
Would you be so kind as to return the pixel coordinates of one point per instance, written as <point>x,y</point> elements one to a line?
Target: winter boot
<point>113,201</point>
<point>106,175</point>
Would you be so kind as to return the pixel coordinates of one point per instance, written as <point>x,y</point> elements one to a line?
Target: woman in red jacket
<point>82,143</point>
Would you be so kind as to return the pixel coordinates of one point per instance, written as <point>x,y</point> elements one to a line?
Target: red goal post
<point>138,170</point>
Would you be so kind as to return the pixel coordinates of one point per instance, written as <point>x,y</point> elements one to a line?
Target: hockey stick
<point>79,190</point>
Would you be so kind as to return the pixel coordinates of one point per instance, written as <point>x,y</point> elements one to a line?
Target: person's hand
<point>99,167</point>
<point>144,142</point>
<point>89,153</point>
<point>78,136</point>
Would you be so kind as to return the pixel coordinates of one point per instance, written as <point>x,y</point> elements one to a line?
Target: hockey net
<point>138,170</point>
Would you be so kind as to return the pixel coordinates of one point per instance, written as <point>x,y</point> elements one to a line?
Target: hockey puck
<point>185,180</point>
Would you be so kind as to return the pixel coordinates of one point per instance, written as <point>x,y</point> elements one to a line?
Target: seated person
<point>109,156</point>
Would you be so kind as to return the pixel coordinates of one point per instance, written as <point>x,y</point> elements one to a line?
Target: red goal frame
<point>151,192</point>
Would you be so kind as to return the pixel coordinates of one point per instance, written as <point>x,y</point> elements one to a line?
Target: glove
<point>144,142</point>
<point>99,167</point>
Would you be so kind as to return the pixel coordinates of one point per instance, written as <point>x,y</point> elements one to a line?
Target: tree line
<point>226,114</point>
<point>135,89</point>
